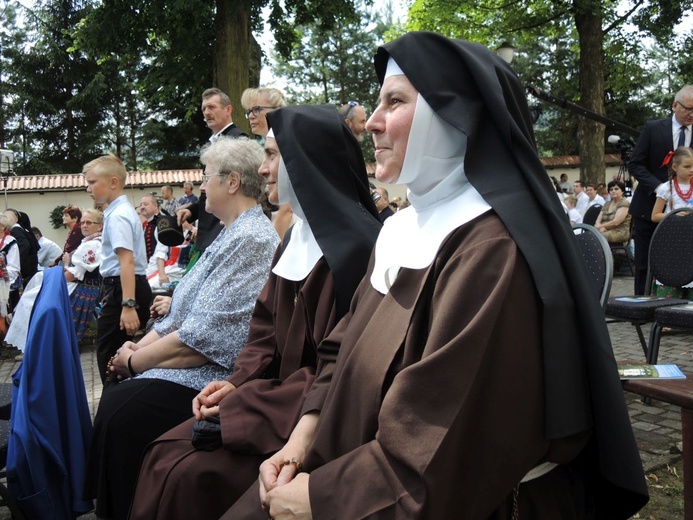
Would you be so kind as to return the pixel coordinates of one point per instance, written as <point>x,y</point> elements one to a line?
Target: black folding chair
<point>597,255</point>
<point>624,248</point>
<point>591,215</point>
<point>669,261</point>
<point>677,316</point>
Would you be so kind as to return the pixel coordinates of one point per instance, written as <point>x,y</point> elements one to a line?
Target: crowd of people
<point>351,356</point>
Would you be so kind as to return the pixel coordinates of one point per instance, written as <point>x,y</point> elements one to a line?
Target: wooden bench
<point>678,392</point>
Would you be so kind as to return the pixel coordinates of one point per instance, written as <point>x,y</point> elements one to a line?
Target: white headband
<point>270,134</point>
<point>392,69</point>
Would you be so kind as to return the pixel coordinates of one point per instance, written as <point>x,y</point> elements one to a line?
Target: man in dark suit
<point>646,164</point>
<point>217,111</point>
<point>383,204</point>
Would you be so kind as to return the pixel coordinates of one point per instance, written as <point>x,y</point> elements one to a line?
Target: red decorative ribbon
<point>667,159</point>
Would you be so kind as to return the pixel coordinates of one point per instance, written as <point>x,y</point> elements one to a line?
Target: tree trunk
<point>132,109</point>
<point>232,53</point>
<point>255,65</point>
<point>588,20</point>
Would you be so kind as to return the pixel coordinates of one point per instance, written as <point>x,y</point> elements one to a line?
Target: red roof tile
<point>75,181</point>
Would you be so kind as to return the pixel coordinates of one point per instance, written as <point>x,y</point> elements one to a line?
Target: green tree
<point>190,45</point>
<point>57,94</point>
<point>335,65</point>
<point>593,24</point>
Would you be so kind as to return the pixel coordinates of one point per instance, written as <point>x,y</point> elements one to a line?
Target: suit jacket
<point>233,131</point>
<point>208,226</point>
<point>28,253</point>
<point>645,164</point>
<point>51,424</point>
<point>386,214</point>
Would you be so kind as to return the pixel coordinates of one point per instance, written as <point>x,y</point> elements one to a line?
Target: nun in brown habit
<point>313,163</point>
<point>475,377</point>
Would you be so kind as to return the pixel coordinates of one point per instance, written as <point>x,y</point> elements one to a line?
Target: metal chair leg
<point>641,337</point>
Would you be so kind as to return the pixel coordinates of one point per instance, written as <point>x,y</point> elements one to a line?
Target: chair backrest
<point>671,249</point>
<point>597,255</point>
<point>590,216</point>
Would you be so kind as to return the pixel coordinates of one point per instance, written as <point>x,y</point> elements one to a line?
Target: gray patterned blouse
<point>213,303</point>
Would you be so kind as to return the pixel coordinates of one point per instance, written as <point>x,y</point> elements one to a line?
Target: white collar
<point>213,139</point>
<point>442,199</point>
<point>302,252</point>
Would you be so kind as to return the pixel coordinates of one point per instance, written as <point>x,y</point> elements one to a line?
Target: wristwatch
<point>130,303</point>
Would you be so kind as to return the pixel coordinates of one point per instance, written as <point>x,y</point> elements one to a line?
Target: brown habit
<point>257,417</point>
<point>441,382</point>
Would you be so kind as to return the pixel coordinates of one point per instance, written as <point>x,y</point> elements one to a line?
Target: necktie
<point>682,136</point>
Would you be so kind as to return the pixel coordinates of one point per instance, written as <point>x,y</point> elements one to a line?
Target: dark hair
<point>74,212</point>
<point>580,183</point>
<point>591,185</point>
<point>36,231</point>
<point>556,185</point>
<point>616,183</point>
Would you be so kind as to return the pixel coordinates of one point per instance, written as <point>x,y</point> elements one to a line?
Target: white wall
<point>38,205</point>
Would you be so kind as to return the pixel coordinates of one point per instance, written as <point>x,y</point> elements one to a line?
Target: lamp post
<point>6,164</point>
<point>506,51</point>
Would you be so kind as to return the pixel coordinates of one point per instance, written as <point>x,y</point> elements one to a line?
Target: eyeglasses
<point>206,177</point>
<point>352,104</point>
<point>88,223</point>
<point>256,111</point>
<point>688,110</point>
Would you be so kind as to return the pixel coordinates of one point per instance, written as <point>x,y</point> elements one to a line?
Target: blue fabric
<point>51,424</point>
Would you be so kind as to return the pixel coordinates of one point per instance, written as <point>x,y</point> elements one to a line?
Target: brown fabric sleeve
<point>461,423</point>
<point>258,417</point>
<point>328,350</point>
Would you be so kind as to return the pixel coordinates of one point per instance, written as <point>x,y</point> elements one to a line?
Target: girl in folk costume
<point>9,269</point>
<point>677,192</point>
<point>674,194</point>
<point>81,270</point>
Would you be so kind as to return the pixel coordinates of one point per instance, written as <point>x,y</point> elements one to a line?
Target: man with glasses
<point>657,139</point>
<point>355,117</point>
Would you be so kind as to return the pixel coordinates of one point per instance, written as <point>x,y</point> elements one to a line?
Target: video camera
<point>624,145</point>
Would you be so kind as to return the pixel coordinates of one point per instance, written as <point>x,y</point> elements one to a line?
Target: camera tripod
<point>623,176</point>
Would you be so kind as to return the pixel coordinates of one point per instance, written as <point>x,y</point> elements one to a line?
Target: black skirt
<point>131,414</point>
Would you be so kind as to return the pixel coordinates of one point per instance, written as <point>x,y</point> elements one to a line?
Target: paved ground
<point>657,426</point>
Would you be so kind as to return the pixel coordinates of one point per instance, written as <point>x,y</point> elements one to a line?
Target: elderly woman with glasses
<point>197,341</point>
<point>83,282</point>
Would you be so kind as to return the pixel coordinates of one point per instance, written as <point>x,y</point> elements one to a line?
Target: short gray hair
<point>6,222</point>
<point>241,155</point>
<point>96,214</point>
<point>686,91</point>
